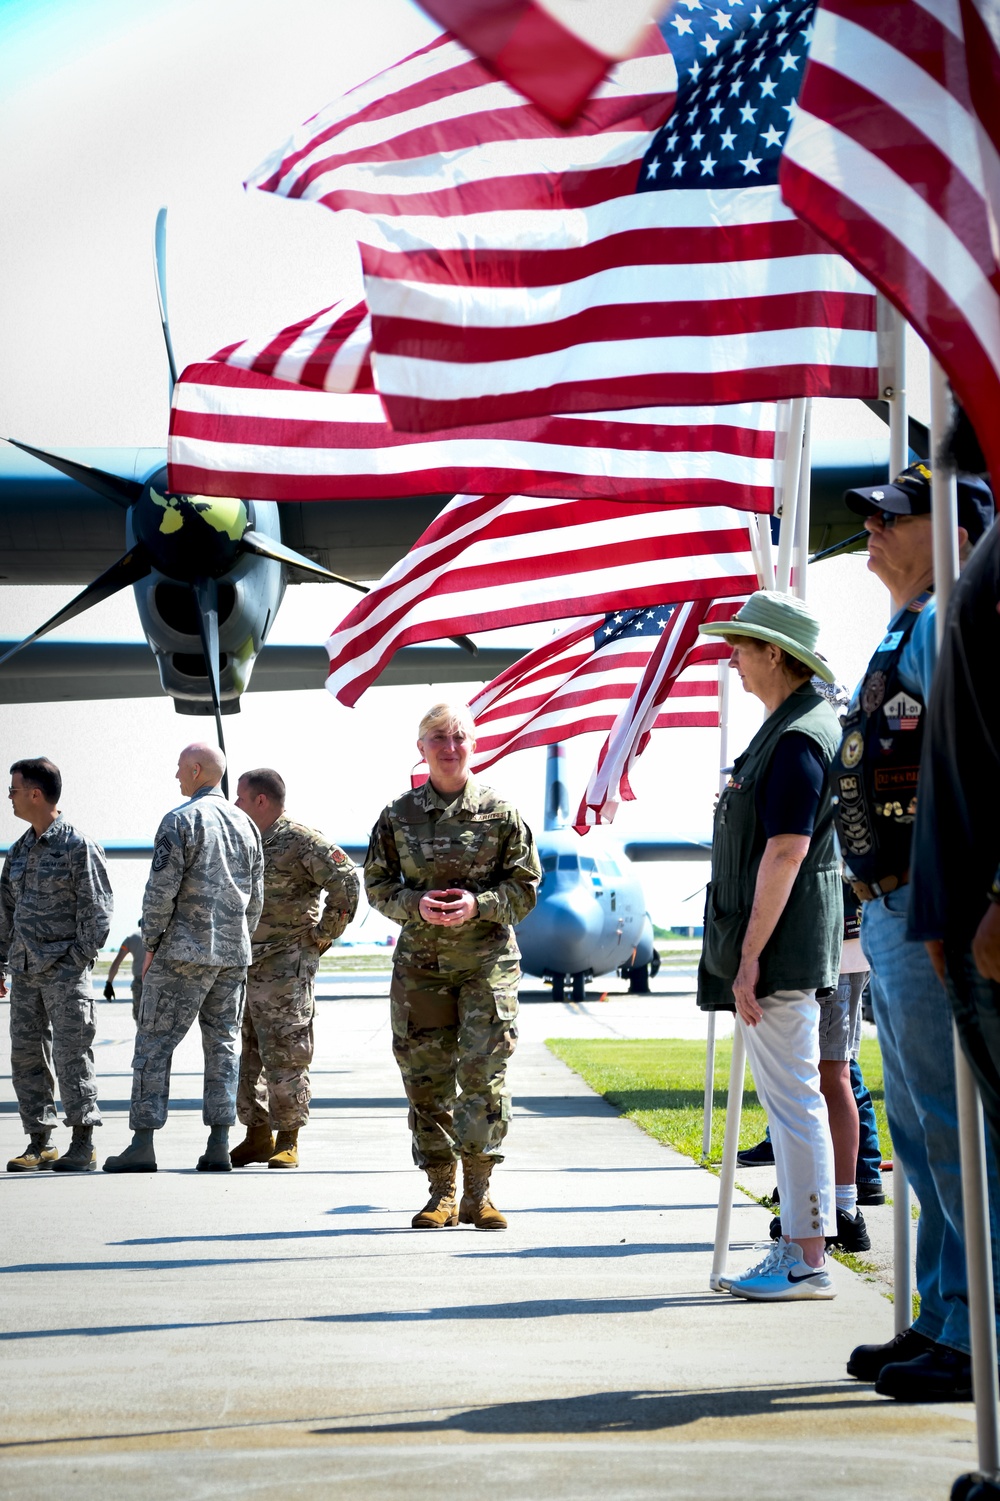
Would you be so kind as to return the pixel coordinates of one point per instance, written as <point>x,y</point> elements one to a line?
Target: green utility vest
<point>803,952</point>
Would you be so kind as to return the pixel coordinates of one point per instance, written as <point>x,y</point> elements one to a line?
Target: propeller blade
<point>128,570</point>
<point>266,547</point>
<point>206,593</point>
<point>160,272</point>
<point>124,492</point>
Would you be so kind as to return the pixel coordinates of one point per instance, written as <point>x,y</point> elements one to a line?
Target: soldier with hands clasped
<point>299,865</point>
<point>202,902</point>
<point>55,913</point>
<point>457,867</point>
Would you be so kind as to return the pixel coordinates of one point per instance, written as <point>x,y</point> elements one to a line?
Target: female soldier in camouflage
<point>456,866</point>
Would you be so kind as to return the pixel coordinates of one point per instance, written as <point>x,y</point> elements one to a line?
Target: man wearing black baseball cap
<point>874,784</point>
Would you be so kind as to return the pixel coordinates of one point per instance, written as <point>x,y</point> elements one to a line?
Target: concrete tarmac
<point>276,1334</point>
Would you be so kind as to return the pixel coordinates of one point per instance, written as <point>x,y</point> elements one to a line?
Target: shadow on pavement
<point>605,1412</point>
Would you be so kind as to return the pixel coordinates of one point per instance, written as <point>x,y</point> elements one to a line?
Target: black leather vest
<point>873,778</point>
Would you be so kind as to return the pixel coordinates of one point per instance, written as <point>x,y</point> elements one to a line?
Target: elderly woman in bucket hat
<point>774,923</point>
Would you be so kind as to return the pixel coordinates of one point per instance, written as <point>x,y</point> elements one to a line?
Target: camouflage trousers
<point>452,1034</point>
<point>174,993</point>
<point>278,1040</point>
<point>136,988</point>
<point>52,1025</point>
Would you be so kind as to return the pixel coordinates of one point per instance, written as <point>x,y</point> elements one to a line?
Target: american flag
<point>629,735</point>
<point>233,432</point>
<point>555,54</point>
<point>489,561</point>
<point>895,157</point>
<point>514,270</point>
<point>582,679</point>
<point>330,351</point>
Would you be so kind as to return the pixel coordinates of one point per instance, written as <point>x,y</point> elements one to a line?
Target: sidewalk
<point>274,1334</point>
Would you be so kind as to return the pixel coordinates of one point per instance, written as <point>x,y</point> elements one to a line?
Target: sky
<point>109,109</point>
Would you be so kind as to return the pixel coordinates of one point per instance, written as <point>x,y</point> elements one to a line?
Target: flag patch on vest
<point>903,712</point>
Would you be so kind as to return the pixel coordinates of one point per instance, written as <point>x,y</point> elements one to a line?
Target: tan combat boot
<point>476,1208</point>
<point>256,1146</point>
<point>286,1150</point>
<point>36,1157</point>
<point>441,1208</point>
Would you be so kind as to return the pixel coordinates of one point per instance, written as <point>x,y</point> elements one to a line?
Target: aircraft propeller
<point>192,540</point>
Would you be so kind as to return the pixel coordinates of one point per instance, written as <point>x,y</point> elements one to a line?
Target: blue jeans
<point>915,1034</point>
<point>869,1168</point>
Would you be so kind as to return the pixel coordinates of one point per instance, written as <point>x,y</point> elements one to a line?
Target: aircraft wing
<point>68,671</point>
<point>668,849</point>
<point>139,849</point>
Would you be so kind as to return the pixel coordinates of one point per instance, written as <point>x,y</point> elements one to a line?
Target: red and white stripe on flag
<point>628,737</point>
<point>513,270</point>
<point>894,156</point>
<point>578,682</point>
<point>233,432</point>
<point>330,351</point>
<point>492,561</point>
<point>555,52</point>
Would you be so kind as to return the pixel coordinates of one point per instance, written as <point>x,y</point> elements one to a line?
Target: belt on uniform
<point>867,893</point>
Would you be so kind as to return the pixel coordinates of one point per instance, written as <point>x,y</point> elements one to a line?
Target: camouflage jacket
<point>478,843</point>
<point>203,896</point>
<point>55,901</point>
<point>299,864</point>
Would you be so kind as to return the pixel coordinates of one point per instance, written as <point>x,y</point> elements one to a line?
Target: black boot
<point>215,1158</point>
<point>81,1157</point>
<point>138,1156</point>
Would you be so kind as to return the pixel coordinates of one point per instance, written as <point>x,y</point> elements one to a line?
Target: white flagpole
<point>802,511</point>
<point>972,1150</point>
<point>790,494</point>
<point>893,326</point>
<point>725,677</point>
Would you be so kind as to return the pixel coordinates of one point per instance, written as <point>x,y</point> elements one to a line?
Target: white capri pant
<point>783,1050</point>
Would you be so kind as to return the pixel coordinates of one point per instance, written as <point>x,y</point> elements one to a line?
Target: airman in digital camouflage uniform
<point>55,913</point>
<point>202,902</point>
<point>456,866</point>
<point>299,865</point>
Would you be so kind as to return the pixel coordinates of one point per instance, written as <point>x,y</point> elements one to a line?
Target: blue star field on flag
<point>739,71</point>
<point>627,624</point>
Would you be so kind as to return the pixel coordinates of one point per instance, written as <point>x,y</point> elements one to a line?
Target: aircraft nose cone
<point>559,936</point>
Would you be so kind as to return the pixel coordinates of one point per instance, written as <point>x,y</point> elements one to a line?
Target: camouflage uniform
<point>299,864</point>
<point>202,902</point>
<point>137,953</point>
<point>55,913</point>
<point>453,1000</point>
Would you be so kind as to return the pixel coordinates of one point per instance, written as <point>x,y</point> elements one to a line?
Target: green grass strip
<point>660,1084</point>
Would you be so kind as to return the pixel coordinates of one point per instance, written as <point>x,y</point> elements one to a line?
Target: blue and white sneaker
<point>789,1278</point>
<point>725,1283</point>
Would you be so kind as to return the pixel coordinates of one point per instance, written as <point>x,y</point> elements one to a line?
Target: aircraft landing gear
<point>579,987</point>
<point>558,987</point>
<point>638,975</point>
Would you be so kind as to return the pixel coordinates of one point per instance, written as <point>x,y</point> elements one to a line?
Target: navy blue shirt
<point>788,795</point>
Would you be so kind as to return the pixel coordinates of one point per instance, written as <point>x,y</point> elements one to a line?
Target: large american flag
<point>580,681</point>
<point>895,157</point>
<point>489,562</point>
<point>513,269</point>
<point>233,432</point>
<point>628,737</point>
<point>329,351</point>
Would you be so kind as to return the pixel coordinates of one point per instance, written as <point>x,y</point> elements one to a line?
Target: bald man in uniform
<point>202,902</point>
